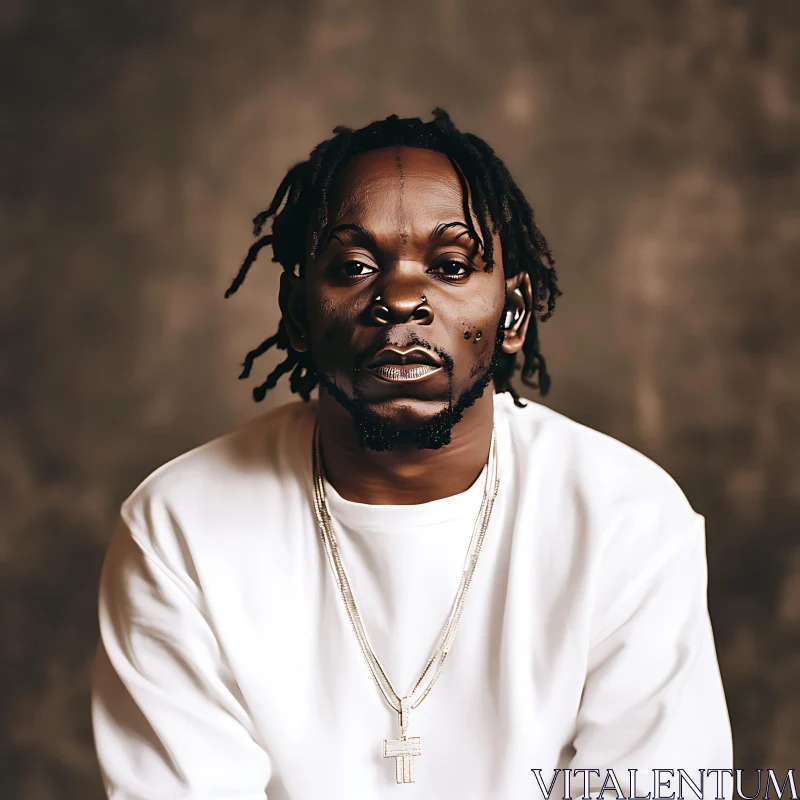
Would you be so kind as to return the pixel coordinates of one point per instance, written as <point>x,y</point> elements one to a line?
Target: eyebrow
<point>444,226</point>
<point>363,237</point>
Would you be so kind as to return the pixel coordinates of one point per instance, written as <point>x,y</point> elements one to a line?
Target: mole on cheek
<point>467,334</point>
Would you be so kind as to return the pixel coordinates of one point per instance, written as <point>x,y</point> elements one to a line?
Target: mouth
<point>395,365</point>
<point>404,372</point>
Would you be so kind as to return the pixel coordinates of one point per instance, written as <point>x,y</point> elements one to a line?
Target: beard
<point>376,433</point>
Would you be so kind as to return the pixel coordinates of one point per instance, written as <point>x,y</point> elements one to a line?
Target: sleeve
<point>653,699</point>
<point>167,718</point>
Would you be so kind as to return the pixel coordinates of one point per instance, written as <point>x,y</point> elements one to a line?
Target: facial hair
<point>375,433</point>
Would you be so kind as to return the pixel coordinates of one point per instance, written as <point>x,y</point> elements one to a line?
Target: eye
<point>451,270</point>
<point>355,269</point>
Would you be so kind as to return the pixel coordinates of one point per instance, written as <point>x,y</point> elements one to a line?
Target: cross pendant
<point>403,750</point>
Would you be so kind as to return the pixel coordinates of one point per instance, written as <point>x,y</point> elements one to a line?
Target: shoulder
<point>219,479</point>
<point>613,483</point>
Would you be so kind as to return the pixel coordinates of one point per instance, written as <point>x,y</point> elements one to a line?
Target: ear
<point>519,301</point>
<point>292,301</point>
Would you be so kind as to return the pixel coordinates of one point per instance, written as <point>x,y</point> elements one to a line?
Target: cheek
<point>333,325</point>
<point>481,320</point>
<point>482,349</point>
<point>474,341</point>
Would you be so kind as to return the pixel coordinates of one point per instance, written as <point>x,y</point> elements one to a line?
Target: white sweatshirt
<point>227,666</point>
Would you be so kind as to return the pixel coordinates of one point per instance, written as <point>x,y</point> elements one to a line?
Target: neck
<point>405,475</point>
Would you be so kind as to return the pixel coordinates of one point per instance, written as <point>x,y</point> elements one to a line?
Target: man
<point>413,585</point>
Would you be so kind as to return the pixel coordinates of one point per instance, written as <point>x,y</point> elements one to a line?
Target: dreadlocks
<point>499,206</point>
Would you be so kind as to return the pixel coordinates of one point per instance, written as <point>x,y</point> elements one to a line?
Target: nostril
<point>420,312</point>
<point>380,314</point>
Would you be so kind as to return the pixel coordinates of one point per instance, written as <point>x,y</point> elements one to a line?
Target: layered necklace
<point>405,748</point>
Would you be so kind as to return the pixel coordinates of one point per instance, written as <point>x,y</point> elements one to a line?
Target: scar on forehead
<point>401,217</point>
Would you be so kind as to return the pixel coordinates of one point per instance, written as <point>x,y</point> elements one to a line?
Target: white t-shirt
<point>228,668</point>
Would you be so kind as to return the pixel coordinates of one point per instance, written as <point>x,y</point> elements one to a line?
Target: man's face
<point>396,270</point>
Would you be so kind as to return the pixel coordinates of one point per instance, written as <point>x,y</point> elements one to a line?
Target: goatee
<point>375,433</point>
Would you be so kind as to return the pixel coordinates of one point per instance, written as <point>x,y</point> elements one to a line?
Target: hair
<point>499,205</point>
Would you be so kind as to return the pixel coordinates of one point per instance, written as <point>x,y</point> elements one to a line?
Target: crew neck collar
<point>390,518</point>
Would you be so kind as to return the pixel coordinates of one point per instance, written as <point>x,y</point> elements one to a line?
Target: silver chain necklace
<point>406,747</point>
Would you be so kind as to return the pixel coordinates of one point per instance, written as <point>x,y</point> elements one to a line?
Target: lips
<point>398,357</point>
<point>394,364</point>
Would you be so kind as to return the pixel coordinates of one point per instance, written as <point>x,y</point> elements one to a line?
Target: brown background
<point>660,143</point>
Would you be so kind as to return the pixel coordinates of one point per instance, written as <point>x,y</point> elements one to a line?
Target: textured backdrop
<point>660,143</point>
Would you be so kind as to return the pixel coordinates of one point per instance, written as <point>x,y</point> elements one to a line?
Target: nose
<point>399,307</point>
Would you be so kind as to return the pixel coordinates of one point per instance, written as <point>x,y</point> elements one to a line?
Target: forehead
<point>410,182</point>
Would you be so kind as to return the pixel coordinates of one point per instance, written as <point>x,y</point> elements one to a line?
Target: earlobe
<point>291,299</point>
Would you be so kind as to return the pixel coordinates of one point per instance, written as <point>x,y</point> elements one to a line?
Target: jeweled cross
<point>403,749</point>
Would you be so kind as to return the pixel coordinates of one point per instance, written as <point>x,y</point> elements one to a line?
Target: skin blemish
<point>467,334</point>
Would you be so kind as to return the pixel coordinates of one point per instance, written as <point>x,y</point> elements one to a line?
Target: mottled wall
<point>660,143</point>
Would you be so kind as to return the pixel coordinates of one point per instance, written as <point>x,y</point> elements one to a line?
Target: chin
<point>405,413</point>
<point>428,433</point>
<point>403,422</point>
